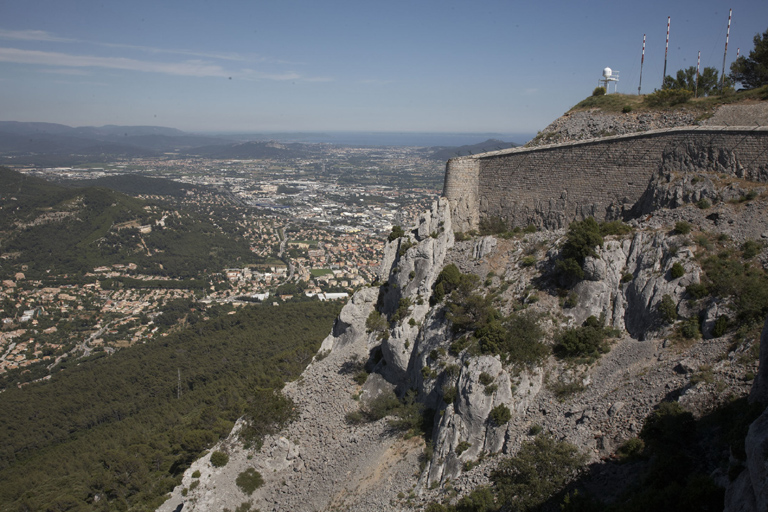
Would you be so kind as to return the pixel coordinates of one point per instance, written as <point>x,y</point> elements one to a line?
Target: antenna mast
<point>666,51</point>
<point>727,34</point>
<point>698,66</point>
<point>642,59</point>
<point>178,386</point>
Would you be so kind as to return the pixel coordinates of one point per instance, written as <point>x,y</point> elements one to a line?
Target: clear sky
<point>326,65</point>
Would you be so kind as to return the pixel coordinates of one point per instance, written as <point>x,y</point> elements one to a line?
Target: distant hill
<point>49,227</point>
<point>23,128</point>
<point>135,184</point>
<point>446,153</point>
<point>21,196</point>
<point>37,142</point>
<point>254,150</point>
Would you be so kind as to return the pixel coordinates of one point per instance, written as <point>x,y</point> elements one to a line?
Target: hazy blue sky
<point>296,65</point>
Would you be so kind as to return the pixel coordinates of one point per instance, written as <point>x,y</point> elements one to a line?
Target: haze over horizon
<point>489,66</point>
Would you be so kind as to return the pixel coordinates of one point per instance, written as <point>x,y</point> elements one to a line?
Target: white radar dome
<point>607,72</point>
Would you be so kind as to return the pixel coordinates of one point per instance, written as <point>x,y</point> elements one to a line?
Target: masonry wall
<point>461,188</point>
<point>551,186</point>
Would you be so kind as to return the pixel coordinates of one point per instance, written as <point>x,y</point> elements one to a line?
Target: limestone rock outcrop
<point>631,302</point>
<point>409,269</point>
<point>467,430</point>
<point>350,325</point>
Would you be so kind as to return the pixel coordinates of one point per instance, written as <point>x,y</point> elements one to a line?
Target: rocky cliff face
<point>631,303</point>
<point>323,461</point>
<point>407,345</point>
<point>409,269</point>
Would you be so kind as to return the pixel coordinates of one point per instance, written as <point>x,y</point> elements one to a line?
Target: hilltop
<point>621,114</point>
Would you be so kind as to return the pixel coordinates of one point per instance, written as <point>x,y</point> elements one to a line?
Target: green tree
<point>396,233</point>
<point>542,468</point>
<point>500,415</point>
<point>249,480</point>
<point>585,341</point>
<point>450,279</point>
<point>219,459</point>
<point>686,79</point>
<point>752,71</point>
<point>582,239</point>
<point>516,338</point>
<point>667,309</point>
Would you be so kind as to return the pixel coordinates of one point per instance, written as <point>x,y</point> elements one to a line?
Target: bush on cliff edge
<point>581,241</point>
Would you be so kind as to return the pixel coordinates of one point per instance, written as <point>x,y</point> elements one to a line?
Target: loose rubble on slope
<point>584,125</point>
<point>594,123</point>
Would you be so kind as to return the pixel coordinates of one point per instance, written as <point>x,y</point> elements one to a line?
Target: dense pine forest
<point>116,433</point>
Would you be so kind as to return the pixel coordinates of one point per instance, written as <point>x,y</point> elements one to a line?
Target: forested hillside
<point>136,184</point>
<point>56,230</point>
<point>118,432</point>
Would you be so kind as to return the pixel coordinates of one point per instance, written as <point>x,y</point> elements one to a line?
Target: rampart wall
<point>550,186</point>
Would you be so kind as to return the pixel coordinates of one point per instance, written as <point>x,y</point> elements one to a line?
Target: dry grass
<point>618,102</point>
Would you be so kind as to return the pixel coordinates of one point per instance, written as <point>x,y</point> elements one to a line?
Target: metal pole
<point>698,65</point>
<point>666,51</point>
<point>642,59</point>
<point>727,33</point>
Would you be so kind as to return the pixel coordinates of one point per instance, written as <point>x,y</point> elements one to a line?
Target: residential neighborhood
<point>319,226</point>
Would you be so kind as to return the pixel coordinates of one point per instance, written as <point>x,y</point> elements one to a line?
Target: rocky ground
<point>319,462</point>
<point>590,124</point>
<point>743,114</point>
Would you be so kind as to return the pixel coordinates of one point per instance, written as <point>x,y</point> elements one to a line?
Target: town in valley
<point>316,224</point>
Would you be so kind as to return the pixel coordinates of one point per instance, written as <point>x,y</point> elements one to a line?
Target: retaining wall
<point>550,186</point>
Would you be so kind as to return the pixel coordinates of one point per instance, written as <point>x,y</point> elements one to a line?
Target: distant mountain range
<point>51,144</point>
<point>445,153</point>
<point>254,149</point>
<point>19,139</point>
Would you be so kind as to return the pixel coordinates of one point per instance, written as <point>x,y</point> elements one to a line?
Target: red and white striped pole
<point>698,66</point>
<point>666,51</point>
<point>642,59</point>
<point>727,33</point>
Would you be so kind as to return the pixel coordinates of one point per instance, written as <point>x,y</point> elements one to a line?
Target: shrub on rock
<point>249,480</point>
<point>219,459</point>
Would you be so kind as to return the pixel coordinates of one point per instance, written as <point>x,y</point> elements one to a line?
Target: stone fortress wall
<point>550,186</point>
